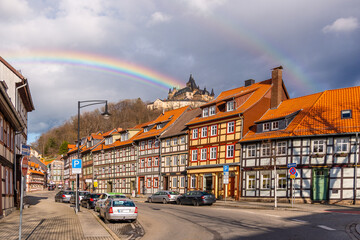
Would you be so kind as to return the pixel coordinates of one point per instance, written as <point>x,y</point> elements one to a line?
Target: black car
<point>89,200</point>
<point>196,198</point>
<point>51,187</point>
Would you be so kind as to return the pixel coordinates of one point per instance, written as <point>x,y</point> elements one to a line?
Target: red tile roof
<point>320,113</point>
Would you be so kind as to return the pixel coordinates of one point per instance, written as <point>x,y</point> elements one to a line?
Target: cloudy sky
<point>72,50</point>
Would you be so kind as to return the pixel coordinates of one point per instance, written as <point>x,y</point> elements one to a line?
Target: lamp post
<point>106,115</point>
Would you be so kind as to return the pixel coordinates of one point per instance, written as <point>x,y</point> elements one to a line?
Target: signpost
<point>76,168</point>
<point>293,174</point>
<point>24,168</point>
<point>226,179</point>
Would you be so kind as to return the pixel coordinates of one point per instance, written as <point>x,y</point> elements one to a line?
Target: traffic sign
<point>76,166</point>
<point>24,165</point>
<point>226,168</point>
<point>25,150</point>
<point>292,171</point>
<point>292,176</point>
<point>290,165</point>
<point>226,179</point>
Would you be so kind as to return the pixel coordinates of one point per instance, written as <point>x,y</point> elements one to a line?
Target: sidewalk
<point>45,219</point>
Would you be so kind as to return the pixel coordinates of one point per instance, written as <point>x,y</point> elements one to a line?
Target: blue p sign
<point>76,166</point>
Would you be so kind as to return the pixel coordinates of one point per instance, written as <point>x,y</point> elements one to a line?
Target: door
<point>208,184</point>
<point>141,185</point>
<point>166,183</point>
<point>231,187</point>
<point>320,184</point>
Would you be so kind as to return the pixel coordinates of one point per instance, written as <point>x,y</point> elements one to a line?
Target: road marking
<point>326,228</point>
<point>272,215</point>
<point>298,220</point>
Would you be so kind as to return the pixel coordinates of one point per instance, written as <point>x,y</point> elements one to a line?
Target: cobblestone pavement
<point>45,219</point>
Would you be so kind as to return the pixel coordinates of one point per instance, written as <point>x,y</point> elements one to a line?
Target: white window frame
<point>175,161</point>
<point>266,127</point>
<point>251,181</point>
<point>266,149</point>
<point>192,181</point>
<point>195,133</point>
<point>174,182</point>
<point>281,148</point>
<point>203,154</point>
<point>156,161</point>
<point>205,112</point>
<point>212,111</point>
<point>251,150</point>
<point>156,182</point>
<point>340,143</point>
<point>281,180</point>
<point>194,155</point>
<point>213,131</point>
<point>182,182</point>
<point>213,153</point>
<point>230,127</point>
<point>142,145</point>
<point>175,141</point>
<point>168,142</point>
<point>317,145</point>
<point>167,161</point>
<point>275,125</point>
<point>230,106</point>
<point>182,140</point>
<point>265,182</point>
<point>204,132</point>
<point>230,151</point>
<point>183,159</point>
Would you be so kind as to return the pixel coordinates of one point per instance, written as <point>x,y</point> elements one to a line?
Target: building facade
<point>56,172</point>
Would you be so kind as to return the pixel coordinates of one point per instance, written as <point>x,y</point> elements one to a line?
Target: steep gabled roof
<point>318,114</point>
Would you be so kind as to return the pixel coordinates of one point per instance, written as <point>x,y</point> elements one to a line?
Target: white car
<point>104,197</point>
<point>119,209</point>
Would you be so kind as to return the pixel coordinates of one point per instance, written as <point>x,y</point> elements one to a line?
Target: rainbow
<point>97,62</point>
<point>239,36</point>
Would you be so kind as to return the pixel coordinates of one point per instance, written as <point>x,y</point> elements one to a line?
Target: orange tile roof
<point>170,116</point>
<point>256,91</point>
<point>320,114</point>
<point>34,171</point>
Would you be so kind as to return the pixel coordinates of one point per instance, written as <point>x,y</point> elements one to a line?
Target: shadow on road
<point>32,200</point>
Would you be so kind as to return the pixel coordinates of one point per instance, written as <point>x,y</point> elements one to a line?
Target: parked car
<point>164,197</point>
<point>196,198</point>
<point>89,200</point>
<point>81,195</point>
<point>60,186</point>
<point>104,197</point>
<point>51,187</point>
<point>119,209</point>
<point>63,196</point>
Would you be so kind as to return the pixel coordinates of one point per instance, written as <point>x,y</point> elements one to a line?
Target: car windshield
<point>174,193</point>
<point>117,196</point>
<point>205,193</point>
<point>95,195</point>
<point>69,192</point>
<point>123,203</point>
<point>82,193</point>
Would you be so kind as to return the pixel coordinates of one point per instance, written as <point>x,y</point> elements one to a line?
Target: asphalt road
<point>169,221</point>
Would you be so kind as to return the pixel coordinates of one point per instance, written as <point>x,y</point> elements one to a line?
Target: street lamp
<point>106,115</point>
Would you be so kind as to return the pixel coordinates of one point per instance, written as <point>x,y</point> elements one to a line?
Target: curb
<point>113,235</point>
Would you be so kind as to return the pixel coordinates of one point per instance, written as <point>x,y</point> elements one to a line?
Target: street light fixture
<point>106,115</point>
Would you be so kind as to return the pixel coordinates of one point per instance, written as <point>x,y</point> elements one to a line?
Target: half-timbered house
<point>318,133</point>
<point>214,135</point>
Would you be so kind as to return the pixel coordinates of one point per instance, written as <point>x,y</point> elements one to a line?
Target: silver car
<point>104,197</point>
<point>81,195</point>
<point>64,196</point>
<point>164,197</point>
<point>119,209</point>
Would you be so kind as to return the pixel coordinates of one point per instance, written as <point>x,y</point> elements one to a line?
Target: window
<point>182,140</point>
<point>183,159</point>
<point>251,150</point>
<point>230,127</point>
<point>149,144</point>
<point>211,110</point>
<point>167,142</point>
<point>342,145</point>
<point>204,132</point>
<point>176,160</point>
<point>213,153</point>
<point>123,183</point>
<point>266,127</point>
<point>205,112</point>
<point>157,143</point>
<point>194,154</point>
<point>193,181</point>
<point>156,182</point>
<point>213,131</point>
<point>195,133</point>
<point>167,161</point>
<point>156,162</point>
<point>346,114</point>
<point>318,146</point>
<point>281,181</point>
<point>203,154</point>
<point>265,181</point>
<point>148,182</point>
<point>265,149</point>
<point>230,106</point>
<point>159,126</point>
<point>281,148</point>
<point>251,181</point>
<point>132,167</point>
<point>146,129</point>
<point>229,151</point>
<point>175,141</point>
<point>142,145</point>
<point>142,163</point>
<point>182,182</point>
<point>1,129</point>
<point>124,168</point>
<point>275,125</point>
<point>174,182</point>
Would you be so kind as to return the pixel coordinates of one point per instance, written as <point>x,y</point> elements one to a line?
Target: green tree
<point>63,147</point>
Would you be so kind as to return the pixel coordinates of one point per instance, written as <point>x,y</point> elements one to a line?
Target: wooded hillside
<point>124,114</point>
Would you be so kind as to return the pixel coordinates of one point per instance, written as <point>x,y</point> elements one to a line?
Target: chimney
<point>249,82</point>
<point>276,91</point>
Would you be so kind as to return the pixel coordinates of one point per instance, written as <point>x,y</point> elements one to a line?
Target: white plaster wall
<point>335,183</point>
<point>264,193</point>
<point>348,172</point>
<point>348,183</point>
<point>306,193</point>
<point>348,194</point>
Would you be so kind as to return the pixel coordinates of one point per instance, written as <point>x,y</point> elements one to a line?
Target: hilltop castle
<point>191,95</point>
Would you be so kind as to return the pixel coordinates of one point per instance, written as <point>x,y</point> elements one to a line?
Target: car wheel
<point>178,202</point>
<point>88,206</point>
<point>150,200</point>
<point>164,201</point>
<point>105,219</point>
<point>195,203</point>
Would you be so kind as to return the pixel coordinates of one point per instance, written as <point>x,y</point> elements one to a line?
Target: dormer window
<point>146,129</point>
<point>124,136</point>
<point>211,110</point>
<point>108,141</point>
<point>266,127</point>
<point>346,114</point>
<point>275,125</point>
<point>205,112</point>
<point>230,106</point>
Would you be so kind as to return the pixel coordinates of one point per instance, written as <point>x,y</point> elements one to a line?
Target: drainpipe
<point>157,138</point>
<point>137,168</point>
<point>241,154</point>
<point>356,160</point>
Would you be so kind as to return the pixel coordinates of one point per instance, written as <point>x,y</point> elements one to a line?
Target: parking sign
<point>76,166</point>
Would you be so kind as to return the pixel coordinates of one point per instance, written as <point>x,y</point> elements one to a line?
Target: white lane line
<point>270,215</point>
<point>298,220</point>
<point>326,228</point>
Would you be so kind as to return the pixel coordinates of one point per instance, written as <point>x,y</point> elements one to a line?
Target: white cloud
<point>14,9</point>
<point>342,25</point>
<point>204,6</point>
<point>158,17</point>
